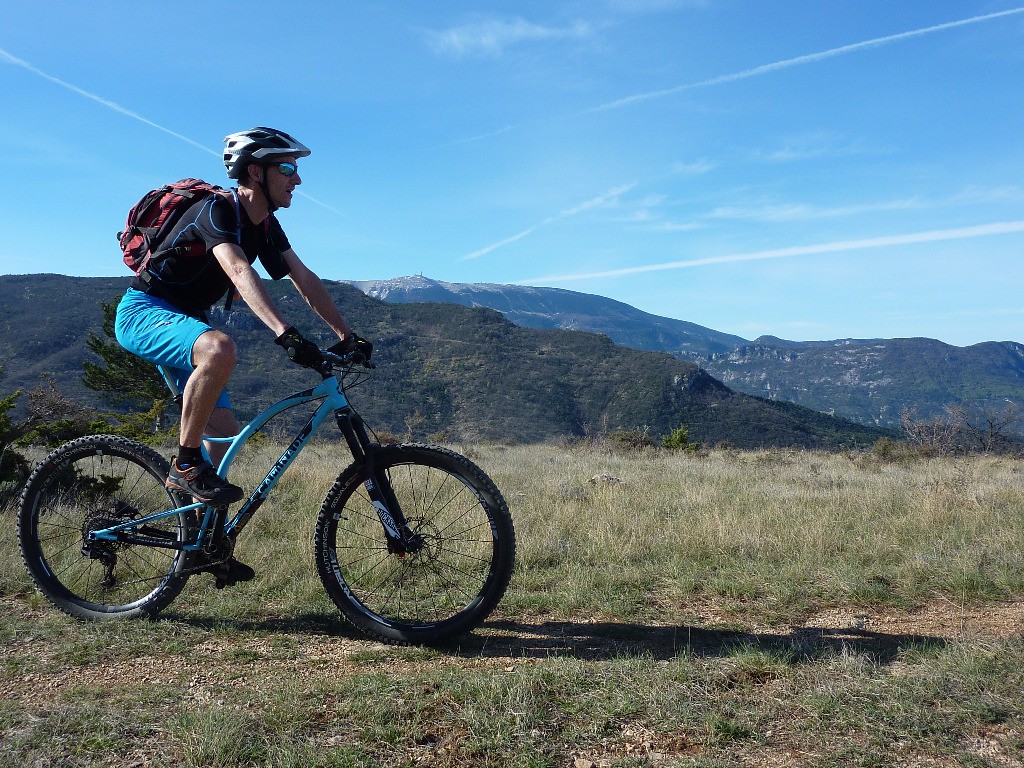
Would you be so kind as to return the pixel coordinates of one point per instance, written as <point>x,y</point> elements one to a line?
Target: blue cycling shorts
<point>161,334</point>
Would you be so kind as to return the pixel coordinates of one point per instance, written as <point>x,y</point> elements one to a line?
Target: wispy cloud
<point>790,212</point>
<point>654,213</point>
<point>471,139</point>
<point>651,213</point>
<point>937,235</point>
<point>801,60</point>
<point>813,145</point>
<point>595,202</point>
<point>696,168</point>
<point>803,212</point>
<point>491,37</point>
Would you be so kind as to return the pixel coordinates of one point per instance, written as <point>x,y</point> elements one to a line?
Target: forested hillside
<point>466,372</point>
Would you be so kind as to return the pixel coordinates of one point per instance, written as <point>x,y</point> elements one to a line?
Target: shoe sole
<point>231,573</point>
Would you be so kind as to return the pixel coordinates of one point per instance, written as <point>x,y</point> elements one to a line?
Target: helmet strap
<point>263,184</point>
<point>265,188</point>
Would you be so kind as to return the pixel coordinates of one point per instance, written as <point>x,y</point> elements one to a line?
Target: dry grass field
<point>668,609</point>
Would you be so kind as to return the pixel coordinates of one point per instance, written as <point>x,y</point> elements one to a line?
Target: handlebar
<point>333,361</point>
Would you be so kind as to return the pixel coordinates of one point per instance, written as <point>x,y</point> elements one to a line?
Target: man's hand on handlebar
<point>359,348</point>
<point>301,350</point>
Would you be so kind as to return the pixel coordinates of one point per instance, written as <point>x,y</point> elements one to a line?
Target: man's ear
<point>255,172</point>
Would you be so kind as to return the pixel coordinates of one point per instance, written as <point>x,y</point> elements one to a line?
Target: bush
<point>678,440</point>
<point>54,419</point>
<point>630,439</point>
<point>887,449</point>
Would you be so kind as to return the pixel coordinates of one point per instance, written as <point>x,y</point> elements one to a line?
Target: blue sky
<point>800,168</point>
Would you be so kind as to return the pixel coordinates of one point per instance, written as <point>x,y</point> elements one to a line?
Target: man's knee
<point>215,349</point>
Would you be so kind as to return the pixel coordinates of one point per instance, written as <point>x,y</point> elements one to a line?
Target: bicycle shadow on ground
<point>608,640</point>
<point>601,641</point>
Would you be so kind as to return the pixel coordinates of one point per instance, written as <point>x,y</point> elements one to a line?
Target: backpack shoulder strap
<point>238,238</point>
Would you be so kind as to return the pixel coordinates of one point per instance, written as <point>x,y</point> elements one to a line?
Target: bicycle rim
<point>447,587</point>
<point>88,484</point>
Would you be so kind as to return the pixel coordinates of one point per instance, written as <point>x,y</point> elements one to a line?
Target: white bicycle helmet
<point>258,145</point>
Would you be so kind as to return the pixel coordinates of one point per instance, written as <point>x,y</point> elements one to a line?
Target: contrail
<point>760,70</point>
<point>806,59</point>
<point>7,57</point>
<point>936,235</point>
<point>594,202</point>
<point>507,241</point>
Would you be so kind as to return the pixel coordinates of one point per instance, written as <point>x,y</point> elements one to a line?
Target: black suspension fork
<point>401,538</point>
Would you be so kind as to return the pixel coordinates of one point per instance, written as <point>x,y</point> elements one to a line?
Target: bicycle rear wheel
<point>92,483</point>
<point>444,589</point>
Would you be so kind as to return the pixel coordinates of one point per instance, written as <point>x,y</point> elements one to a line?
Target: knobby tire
<point>90,483</point>
<point>452,583</point>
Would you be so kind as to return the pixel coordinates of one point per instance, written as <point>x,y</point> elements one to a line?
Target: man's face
<point>282,178</point>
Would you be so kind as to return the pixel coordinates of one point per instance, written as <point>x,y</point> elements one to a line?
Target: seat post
<point>171,384</point>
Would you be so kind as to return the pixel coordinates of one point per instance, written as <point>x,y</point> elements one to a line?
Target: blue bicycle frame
<point>214,523</point>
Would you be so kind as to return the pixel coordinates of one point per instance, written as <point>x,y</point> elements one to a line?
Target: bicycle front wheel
<point>445,588</point>
<point>89,484</point>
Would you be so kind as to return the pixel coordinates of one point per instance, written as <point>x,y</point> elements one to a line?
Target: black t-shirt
<point>195,283</point>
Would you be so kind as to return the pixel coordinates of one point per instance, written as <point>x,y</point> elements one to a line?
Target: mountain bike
<point>413,542</point>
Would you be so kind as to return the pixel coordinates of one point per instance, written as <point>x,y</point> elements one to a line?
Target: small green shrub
<point>678,440</point>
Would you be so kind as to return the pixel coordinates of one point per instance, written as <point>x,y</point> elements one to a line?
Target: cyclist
<point>162,317</point>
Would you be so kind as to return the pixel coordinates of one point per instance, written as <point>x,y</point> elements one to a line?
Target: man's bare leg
<point>222,423</point>
<point>214,357</point>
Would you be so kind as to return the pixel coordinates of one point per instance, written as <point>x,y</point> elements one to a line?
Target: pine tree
<point>121,377</point>
<point>13,467</point>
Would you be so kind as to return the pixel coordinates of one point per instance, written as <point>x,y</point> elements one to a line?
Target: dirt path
<point>939,619</point>
<point>256,658</point>
<point>285,650</point>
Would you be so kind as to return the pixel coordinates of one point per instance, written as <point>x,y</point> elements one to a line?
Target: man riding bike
<point>162,317</point>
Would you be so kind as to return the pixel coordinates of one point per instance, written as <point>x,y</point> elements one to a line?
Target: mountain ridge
<point>871,381</point>
<point>535,307</point>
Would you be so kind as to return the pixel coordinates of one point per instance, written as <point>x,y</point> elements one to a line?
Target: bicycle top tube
<point>329,390</point>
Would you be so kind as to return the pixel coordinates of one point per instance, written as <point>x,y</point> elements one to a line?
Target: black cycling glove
<point>353,343</point>
<point>300,350</point>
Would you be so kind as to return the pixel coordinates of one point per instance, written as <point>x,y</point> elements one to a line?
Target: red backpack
<point>155,215</point>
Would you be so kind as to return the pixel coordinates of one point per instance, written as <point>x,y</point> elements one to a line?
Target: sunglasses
<point>287,169</point>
